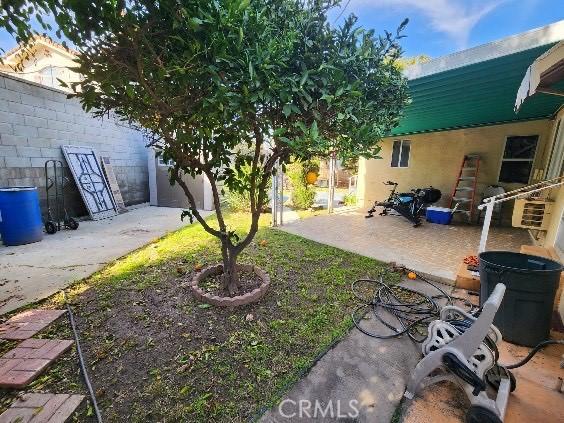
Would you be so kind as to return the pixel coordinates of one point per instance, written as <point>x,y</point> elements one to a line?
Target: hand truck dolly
<point>57,214</point>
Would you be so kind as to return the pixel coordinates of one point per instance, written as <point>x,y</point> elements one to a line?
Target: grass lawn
<point>155,354</point>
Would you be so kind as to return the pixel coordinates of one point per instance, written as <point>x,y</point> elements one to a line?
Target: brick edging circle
<point>250,297</point>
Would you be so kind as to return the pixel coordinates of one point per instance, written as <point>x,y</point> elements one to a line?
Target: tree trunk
<point>230,274</point>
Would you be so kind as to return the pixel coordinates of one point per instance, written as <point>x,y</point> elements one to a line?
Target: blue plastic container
<point>20,216</point>
<point>440,215</point>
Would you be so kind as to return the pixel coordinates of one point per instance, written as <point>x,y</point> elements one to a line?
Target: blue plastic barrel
<point>20,216</point>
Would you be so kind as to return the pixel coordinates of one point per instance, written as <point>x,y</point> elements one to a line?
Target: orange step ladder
<point>464,192</point>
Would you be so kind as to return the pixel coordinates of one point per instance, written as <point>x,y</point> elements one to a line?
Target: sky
<point>439,27</point>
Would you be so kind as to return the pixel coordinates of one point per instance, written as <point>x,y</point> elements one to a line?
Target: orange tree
<point>226,89</point>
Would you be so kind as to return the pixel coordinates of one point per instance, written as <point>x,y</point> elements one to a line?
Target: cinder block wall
<point>35,121</point>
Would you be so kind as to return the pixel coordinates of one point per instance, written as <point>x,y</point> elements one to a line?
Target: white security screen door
<point>87,173</point>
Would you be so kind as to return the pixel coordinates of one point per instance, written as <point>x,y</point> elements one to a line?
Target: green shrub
<point>350,199</point>
<point>238,202</point>
<point>303,195</point>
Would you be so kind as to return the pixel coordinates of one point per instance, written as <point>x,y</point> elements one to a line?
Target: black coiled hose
<point>411,314</point>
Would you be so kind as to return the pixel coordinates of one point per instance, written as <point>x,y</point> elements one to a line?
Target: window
<point>517,161</point>
<point>400,153</point>
<point>48,76</point>
<point>161,162</point>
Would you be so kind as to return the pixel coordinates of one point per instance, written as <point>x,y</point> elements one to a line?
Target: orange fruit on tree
<point>412,275</point>
<point>311,177</point>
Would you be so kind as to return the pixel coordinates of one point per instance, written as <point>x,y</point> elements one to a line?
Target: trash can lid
<point>519,262</point>
<point>16,189</point>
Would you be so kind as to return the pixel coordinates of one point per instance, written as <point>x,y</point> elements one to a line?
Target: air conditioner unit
<point>532,214</point>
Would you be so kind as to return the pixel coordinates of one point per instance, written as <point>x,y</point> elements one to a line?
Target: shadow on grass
<point>156,354</point>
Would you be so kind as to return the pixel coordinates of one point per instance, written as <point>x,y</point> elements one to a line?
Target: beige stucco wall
<point>436,157</point>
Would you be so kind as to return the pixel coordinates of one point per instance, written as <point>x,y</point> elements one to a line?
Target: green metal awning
<point>478,94</point>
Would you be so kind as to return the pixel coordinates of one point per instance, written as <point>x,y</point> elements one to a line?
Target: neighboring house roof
<point>43,61</point>
<point>15,54</point>
<point>477,87</point>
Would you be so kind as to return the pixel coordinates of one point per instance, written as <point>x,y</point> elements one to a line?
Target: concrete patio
<point>435,250</point>
<point>34,271</point>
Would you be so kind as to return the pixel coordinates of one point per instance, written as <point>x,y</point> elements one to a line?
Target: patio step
<point>21,365</point>
<point>464,189</point>
<point>49,408</point>
<point>27,323</point>
<point>466,178</point>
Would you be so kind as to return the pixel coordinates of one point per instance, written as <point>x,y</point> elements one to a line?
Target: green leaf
<point>204,305</point>
<point>295,109</point>
<point>314,130</point>
<point>327,97</point>
<point>304,78</point>
<point>302,126</point>
<point>195,22</point>
<point>287,110</point>
<point>129,91</point>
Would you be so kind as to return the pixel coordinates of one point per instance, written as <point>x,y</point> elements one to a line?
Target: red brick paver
<point>26,324</point>
<point>21,365</point>
<point>41,408</point>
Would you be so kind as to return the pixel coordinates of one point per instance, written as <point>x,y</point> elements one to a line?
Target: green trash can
<point>526,310</point>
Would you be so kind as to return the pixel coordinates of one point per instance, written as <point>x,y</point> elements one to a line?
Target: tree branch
<point>258,144</point>
<point>193,208</point>
<point>216,200</point>
<point>266,173</point>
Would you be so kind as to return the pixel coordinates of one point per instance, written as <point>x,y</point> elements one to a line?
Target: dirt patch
<point>441,403</point>
<point>249,281</point>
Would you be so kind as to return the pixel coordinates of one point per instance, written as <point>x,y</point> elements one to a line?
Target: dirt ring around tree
<point>247,298</point>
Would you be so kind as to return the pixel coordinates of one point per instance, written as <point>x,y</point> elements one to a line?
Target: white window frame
<point>161,162</point>
<point>400,154</point>
<point>48,76</point>
<point>532,160</point>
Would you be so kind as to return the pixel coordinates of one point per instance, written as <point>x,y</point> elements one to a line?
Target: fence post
<point>331,192</point>
<point>274,199</point>
<point>280,174</point>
